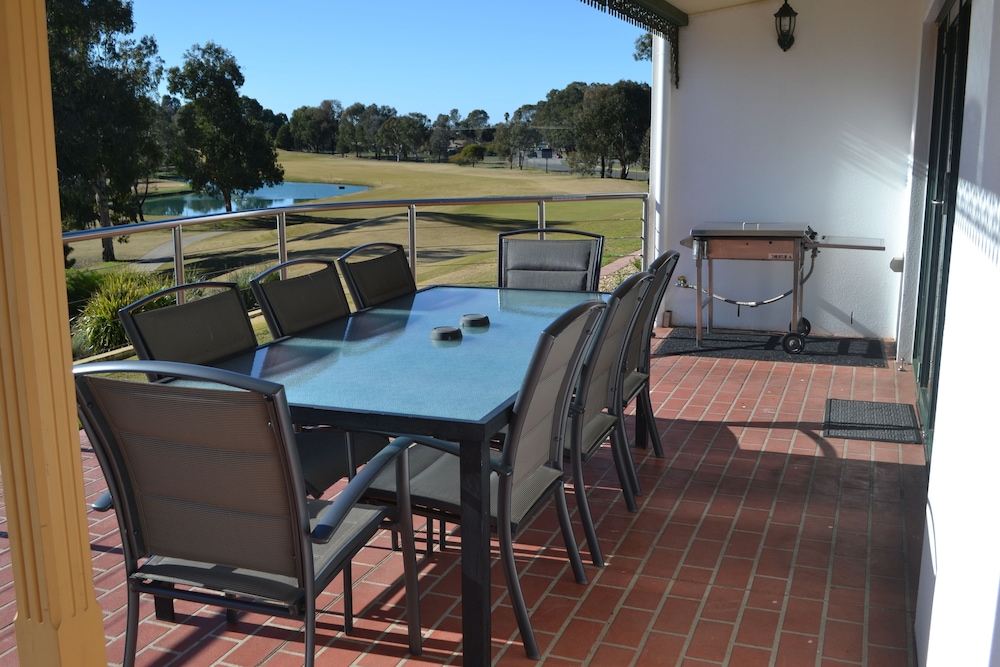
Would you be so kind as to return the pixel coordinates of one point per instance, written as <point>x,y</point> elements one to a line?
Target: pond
<point>286,194</point>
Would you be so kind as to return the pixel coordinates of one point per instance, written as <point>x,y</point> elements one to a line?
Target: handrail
<point>281,213</point>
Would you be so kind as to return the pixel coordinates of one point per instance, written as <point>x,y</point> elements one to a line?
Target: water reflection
<point>286,194</point>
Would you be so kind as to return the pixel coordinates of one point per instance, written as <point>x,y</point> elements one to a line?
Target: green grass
<point>455,244</point>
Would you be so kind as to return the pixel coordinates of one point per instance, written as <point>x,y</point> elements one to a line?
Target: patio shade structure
<point>656,16</point>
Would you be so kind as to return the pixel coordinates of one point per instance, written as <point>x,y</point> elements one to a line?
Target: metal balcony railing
<point>411,206</point>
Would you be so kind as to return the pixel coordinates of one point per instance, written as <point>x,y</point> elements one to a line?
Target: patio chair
<point>528,470</point>
<point>296,303</point>
<point>210,500</point>
<point>211,325</point>
<point>596,412</point>
<point>635,385</point>
<point>544,262</point>
<point>376,272</point>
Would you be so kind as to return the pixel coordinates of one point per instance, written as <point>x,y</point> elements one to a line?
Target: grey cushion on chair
<point>557,263</point>
<point>376,273</point>
<point>529,467</point>
<point>635,385</point>
<point>597,404</point>
<point>296,303</point>
<point>211,325</point>
<point>209,495</point>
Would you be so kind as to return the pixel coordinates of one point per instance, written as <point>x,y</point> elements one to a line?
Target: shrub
<point>242,278</point>
<point>97,329</point>
<point>80,286</point>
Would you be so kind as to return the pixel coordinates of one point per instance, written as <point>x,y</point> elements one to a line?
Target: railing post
<point>411,219</point>
<point>647,251</point>
<point>541,217</point>
<point>179,260</point>
<point>282,226</point>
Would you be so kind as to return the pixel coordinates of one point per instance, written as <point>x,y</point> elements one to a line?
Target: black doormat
<point>866,420</point>
<point>763,346</point>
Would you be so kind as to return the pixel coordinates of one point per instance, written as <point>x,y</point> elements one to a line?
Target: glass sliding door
<point>939,210</point>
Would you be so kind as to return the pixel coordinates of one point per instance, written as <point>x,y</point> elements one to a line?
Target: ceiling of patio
<point>690,7</point>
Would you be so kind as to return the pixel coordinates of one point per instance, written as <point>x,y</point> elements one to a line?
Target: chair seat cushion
<point>360,525</point>
<point>632,383</point>
<point>434,485</point>
<point>595,432</point>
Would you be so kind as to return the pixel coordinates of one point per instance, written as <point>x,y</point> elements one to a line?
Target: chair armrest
<point>453,448</point>
<point>355,489</point>
<point>103,503</point>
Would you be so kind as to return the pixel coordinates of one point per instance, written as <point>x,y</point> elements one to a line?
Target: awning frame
<point>657,16</point>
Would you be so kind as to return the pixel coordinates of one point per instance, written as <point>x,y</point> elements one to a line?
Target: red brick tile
<point>660,649</point>
<point>710,641</point>
<point>677,615</point>
<point>796,650</point>
<point>757,627</point>
<point>844,641</point>
<point>629,627</point>
<point>803,616</point>
<point>745,656</point>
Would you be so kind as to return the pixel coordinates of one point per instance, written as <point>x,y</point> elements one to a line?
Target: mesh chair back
<point>604,366</point>
<point>662,268</point>
<point>198,331</point>
<point>537,430</point>
<point>377,272</point>
<point>204,473</point>
<point>560,264</point>
<point>296,303</point>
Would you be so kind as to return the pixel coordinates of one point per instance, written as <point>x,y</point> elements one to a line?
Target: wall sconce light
<point>784,24</point>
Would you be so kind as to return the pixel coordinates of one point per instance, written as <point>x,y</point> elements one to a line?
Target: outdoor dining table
<point>392,368</point>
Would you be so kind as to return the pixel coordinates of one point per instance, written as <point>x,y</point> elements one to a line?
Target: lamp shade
<point>784,24</point>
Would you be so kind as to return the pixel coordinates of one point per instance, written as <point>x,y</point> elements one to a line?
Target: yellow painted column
<point>58,619</point>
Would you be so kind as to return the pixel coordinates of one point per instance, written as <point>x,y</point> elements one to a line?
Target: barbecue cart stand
<point>769,243</point>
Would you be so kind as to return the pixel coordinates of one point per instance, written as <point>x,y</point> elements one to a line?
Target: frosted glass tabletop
<point>383,363</point>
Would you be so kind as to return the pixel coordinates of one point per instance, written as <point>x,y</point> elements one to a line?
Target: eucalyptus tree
<point>222,149</point>
<point>554,116</point>
<point>402,135</point>
<point>475,124</point>
<point>441,132</point>
<point>643,47</point>
<point>371,120</point>
<point>612,123</point>
<point>315,128</point>
<point>630,116</point>
<point>515,136</point>
<point>592,123</point>
<point>104,112</point>
<point>350,137</point>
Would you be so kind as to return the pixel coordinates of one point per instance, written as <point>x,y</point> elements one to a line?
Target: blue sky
<point>428,57</point>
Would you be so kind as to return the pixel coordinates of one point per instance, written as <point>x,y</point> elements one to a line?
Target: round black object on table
<point>446,333</point>
<point>475,320</point>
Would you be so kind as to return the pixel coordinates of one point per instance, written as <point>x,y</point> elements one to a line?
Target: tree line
<point>113,138</point>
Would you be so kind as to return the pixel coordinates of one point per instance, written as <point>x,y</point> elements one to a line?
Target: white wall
<point>820,134</point>
<point>957,616</point>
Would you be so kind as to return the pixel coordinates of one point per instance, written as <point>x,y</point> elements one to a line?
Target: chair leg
<point>348,599</point>
<point>568,537</point>
<point>310,631</point>
<point>232,616</point>
<point>628,495</point>
<point>410,582</point>
<point>164,607</point>
<point>622,444</point>
<point>641,440</point>
<point>583,506</point>
<point>514,588</point>
<point>131,628</point>
<point>649,420</point>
